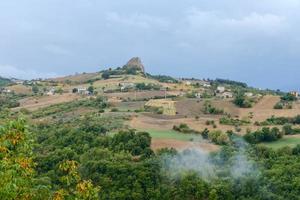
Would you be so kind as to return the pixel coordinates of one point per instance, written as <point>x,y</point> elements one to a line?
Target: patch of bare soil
<point>181,145</point>
<point>264,109</point>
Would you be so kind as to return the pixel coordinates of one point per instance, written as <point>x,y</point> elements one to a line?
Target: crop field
<point>167,105</point>
<point>170,134</point>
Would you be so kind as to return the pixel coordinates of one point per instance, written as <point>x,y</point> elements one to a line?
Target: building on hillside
<point>225,95</point>
<point>198,95</point>
<point>5,91</point>
<point>126,86</point>
<point>51,92</point>
<point>295,93</point>
<point>188,83</point>
<point>249,94</point>
<point>207,85</point>
<point>83,91</point>
<point>221,89</point>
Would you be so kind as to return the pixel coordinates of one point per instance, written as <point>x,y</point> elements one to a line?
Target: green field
<point>286,141</point>
<point>170,134</point>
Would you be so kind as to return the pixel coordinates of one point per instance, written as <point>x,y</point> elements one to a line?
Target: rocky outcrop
<point>135,63</point>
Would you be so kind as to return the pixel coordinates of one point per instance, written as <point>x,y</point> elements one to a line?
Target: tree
<point>91,89</point>
<point>75,90</point>
<point>105,75</point>
<point>16,164</point>
<point>35,89</point>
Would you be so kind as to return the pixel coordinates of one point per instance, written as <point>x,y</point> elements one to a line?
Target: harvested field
<point>34,103</point>
<point>20,89</point>
<point>181,145</point>
<point>264,109</point>
<point>139,95</point>
<point>80,78</point>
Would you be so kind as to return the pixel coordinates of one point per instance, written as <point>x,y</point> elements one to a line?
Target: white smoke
<point>200,162</point>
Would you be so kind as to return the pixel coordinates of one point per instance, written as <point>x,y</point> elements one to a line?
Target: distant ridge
<point>4,81</point>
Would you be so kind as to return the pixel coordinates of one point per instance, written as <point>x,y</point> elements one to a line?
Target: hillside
<point>4,81</point>
<point>106,130</point>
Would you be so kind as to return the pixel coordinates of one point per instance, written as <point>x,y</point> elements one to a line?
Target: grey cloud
<point>197,38</point>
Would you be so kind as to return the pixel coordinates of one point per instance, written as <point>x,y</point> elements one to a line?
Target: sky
<point>254,41</point>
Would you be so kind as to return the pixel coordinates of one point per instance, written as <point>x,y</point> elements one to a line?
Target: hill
<point>4,81</point>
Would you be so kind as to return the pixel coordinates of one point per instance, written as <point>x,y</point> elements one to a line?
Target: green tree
<point>17,171</point>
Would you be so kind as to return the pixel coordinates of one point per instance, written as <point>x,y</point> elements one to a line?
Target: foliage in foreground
<point>67,162</point>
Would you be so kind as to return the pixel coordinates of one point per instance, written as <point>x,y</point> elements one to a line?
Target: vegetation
<point>210,109</point>
<point>241,101</point>
<point>263,135</point>
<point>149,86</point>
<point>4,81</point>
<point>163,78</point>
<point>288,97</point>
<point>281,121</point>
<point>71,163</point>
<point>233,122</point>
<point>183,128</point>
<point>230,82</point>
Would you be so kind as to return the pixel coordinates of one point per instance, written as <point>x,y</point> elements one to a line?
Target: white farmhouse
<point>126,85</point>
<point>249,94</point>
<point>51,92</point>
<point>221,89</point>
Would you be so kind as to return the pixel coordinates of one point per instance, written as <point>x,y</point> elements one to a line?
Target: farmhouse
<point>51,92</point>
<point>198,95</point>
<point>249,94</point>
<point>126,86</point>
<point>220,89</point>
<point>225,95</point>
<point>5,91</point>
<point>82,91</point>
<point>295,93</point>
<point>188,83</point>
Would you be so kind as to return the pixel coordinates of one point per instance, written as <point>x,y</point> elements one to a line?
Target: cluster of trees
<point>183,128</point>
<point>163,78</point>
<point>227,120</point>
<point>264,135</point>
<point>106,74</point>
<point>147,86</point>
<point>242,101</point>
<point>8,102</point>
<point>280,121</point>
<point>288,97</point>
<point>283,105</point>
<point>230,82</point>
<point>210,109</point>
<point>80,159</point>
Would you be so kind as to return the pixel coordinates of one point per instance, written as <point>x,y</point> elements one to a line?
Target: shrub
<point>263,135</point>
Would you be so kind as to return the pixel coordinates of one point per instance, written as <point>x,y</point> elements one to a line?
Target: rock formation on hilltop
<point>135,63</point>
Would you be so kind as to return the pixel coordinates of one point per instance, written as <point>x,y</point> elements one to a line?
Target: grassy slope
<point>4,82</point>
<point>286,141</point>
<point>160,134</point>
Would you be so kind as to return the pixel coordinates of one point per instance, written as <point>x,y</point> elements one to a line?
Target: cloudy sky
<point>256,41</point>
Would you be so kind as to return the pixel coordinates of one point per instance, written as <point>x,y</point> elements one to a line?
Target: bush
<point>209,109</point>
<point>241,101</point>
<point>278,105</point>
<point>183,128</point>
<point>263,135</point>
<point>218,137</point>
